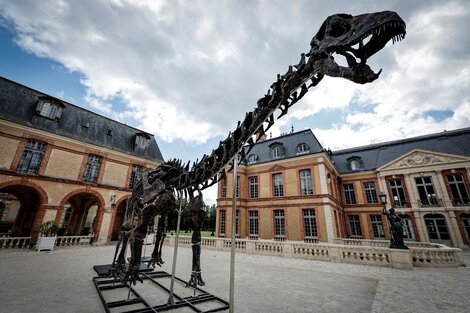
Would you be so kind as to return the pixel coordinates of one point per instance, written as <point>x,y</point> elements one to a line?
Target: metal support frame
<point>103,285</point>
<point>171,300</point>
<point>232,247</point>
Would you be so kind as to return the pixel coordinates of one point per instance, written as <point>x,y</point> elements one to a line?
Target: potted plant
<point>48,234</point>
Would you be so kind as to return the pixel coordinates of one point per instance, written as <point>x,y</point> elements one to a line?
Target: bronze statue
<point>396,229</point>
<point>154,194</point>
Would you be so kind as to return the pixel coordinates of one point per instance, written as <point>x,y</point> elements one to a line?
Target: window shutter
<point>59,113</point>
<point>39,106</point>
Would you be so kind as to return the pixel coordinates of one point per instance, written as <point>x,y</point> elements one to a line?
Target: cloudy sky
<point>187,71</point>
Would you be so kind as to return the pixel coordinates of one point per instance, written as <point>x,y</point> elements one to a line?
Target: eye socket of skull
<point>338,30</point>
<point>321,32</point>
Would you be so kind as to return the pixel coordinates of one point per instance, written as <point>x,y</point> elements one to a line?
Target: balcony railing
<point>280,238</point>
<point>430,202</point>
<point>399,204</point>
<point>462,202</point>
<point>311,239</point>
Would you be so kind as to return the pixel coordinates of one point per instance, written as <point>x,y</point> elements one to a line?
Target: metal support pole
<point>232,250</point>
<point>171,301</point>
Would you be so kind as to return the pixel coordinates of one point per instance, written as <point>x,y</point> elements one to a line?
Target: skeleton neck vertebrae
<point>356,38</point>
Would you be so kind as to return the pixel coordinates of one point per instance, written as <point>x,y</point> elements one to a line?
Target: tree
<point>211,217</point>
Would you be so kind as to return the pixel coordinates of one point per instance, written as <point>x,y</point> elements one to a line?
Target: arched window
<point>252,158</point>
<point>303,148</point>
<point>355,163</point>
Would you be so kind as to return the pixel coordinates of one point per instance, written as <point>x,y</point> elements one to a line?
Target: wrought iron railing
<point>312,239</point>
<point>430,202</point>
<point>462,202</point>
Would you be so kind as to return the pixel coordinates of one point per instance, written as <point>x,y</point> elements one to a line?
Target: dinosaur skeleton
<point>355,37</point>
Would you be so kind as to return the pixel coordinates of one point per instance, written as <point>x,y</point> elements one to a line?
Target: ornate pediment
<point>276,168</point>
<point>417,158</point>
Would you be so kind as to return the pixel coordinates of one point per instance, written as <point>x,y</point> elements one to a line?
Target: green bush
<point>48,229</point>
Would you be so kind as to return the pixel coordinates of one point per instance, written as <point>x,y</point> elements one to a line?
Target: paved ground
<point>61,281</point>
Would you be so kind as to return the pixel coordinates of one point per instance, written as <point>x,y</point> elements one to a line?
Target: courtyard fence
<point>366,252</point>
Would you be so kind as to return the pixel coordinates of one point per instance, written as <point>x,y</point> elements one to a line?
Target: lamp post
<point>383,200</point>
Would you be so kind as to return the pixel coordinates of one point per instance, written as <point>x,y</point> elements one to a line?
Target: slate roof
<point>289,143</point>
<point>455,142</point>
<point>18,104</point>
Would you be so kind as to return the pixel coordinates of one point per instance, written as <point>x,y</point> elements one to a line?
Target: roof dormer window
<point>50,108</point>
<point>142,141</point>
<point>252,158</point>
<point>277,150</point>
<point>303,148</point>
<point>355,163</point>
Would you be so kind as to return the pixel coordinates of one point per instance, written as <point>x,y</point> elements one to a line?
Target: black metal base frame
<point>134,299</point>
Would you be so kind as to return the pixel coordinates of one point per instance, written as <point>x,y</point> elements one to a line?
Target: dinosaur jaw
<point>377,38</point>
<point>364,46</point>
<point>356,38</point>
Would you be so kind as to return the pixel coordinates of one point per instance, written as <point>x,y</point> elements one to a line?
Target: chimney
<point>260,138</point>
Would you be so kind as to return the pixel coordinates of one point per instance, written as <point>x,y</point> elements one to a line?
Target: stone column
<point>454,231</point>
<point>443,190</point>
<point>328,211</point>
<point>411,190</point>
<point>421,227</point>
<point>103,222</point>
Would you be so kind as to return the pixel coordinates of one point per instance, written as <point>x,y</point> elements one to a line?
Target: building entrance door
<point>465,219</point>
<point>408,232</point>
<point>437,229</point>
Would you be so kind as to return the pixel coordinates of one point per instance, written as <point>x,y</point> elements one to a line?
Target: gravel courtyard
<point>61,281</point>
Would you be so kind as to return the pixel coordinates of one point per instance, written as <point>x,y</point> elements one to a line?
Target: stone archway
<point>81,213</point>
<point>118,217</point>
<point>24,207</point>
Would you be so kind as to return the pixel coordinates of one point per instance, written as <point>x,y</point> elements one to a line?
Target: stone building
<point>64,163</point>
<point>291,188</point>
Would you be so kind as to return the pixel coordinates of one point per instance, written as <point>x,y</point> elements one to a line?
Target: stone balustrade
<point>15,243</point>
<point>311,251</point>
<point>357,251</point>
<point>269,247</point>
<point>383,243</point>
<point>436,257</point>
<point>73,240</point>
<point>375,255</point>
<point>27,242</point>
